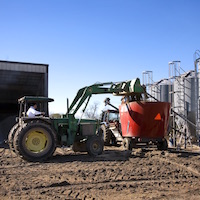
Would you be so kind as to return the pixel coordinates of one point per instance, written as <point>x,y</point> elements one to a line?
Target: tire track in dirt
<point>87,184</point>
<point>76,191</point>
<point>189,169</point>
<point>147,174</point>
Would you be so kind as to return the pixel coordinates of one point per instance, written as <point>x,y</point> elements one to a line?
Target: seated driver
<point>32,112</point>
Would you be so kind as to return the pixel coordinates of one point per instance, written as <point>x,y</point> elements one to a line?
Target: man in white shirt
<point>32,112</point>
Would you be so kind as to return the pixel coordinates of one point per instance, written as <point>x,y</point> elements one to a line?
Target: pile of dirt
<point>145,174</point>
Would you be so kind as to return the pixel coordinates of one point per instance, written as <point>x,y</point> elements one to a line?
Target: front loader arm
<point>86,93</point>
<point>120,88</point>
<point>80,93</point>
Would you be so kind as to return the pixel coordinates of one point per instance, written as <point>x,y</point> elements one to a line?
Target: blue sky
<point>88,41</point>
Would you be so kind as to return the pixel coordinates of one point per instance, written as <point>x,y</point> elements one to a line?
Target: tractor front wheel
<point>35,141</point>
<point>94,146</point>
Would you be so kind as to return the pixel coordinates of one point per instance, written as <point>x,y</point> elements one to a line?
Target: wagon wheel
<point>162,145</point>
<point>127,144</point>
<point>35,141</point>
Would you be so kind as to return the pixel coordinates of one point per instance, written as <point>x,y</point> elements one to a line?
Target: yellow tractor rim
<point>36,141</point>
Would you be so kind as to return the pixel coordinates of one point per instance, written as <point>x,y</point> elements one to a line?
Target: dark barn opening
<point>18,79</point>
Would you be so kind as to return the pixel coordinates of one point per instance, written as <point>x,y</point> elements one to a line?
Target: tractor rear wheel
<point>35,141</point>
<point>106,134</point>
<point>11,136</point>
<point>94,146</point>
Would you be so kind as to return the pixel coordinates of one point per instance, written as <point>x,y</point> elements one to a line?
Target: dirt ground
<point>146,174</point>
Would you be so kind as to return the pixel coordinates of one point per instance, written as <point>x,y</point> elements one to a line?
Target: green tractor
<point>36,138</point>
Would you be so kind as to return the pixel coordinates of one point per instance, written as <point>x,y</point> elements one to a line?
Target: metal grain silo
<point>189,84</point>
<point>161,90</point>
<point>178,95</point>
<point>184,93</point>
<point>184,97</point>
<point>154,91</point>
<point>165,88</point>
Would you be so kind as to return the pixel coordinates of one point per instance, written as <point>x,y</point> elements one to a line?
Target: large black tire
<point>11,136</point>
<point>106,134</point>
<point>94,145</point>
<point>127,144</point>
<point>35,141</point>
<point>162,145</point>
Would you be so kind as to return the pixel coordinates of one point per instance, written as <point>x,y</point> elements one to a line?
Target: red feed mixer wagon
<point>144,122</point>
